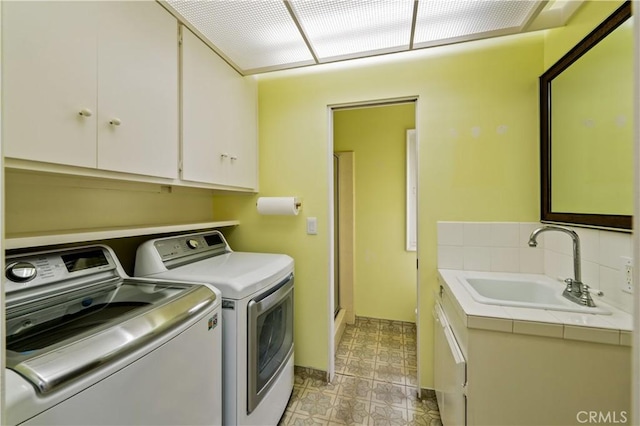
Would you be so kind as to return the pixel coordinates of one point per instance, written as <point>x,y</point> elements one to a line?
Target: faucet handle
<point>595,291</point>
<point>569,282</point>
<point>585,297</point>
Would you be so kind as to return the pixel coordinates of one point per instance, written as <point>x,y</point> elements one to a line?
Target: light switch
<point>312,226</point>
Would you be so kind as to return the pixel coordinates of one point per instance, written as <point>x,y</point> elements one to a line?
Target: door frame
<point>331,225</point>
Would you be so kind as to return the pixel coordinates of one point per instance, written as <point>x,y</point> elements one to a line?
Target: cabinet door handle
<point>234,157</point>
<point>86,112</point>
<point>115,122</point>
<point>224,155</point>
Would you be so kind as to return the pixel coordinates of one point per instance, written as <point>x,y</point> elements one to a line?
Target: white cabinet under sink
<point>219,119</point>
<point>91,84</point>
<point>450,372</point>
<point>522,372</point>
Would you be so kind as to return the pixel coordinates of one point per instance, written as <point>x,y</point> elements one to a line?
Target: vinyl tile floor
<point>375,382</point>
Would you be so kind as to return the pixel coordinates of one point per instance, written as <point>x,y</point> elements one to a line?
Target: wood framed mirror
<point>586,129</point>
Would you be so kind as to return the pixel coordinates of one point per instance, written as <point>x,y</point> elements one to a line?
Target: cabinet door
<point>48,77</point>
<point>137,89</point>
<point>204,156</point>
<point>243,147</point>
<point>449,372</point>
<point>219,118</point>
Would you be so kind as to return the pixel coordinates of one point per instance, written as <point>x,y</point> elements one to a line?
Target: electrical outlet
<point>626,274</point>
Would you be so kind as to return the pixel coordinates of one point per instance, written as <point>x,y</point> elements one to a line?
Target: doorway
<point>383,275</point>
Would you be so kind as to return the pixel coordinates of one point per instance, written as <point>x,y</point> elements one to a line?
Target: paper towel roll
<point>278,205</point>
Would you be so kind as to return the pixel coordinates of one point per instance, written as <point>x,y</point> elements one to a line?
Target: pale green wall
<point>559,41</point>
<point>40,204</point>
<point>469,170</point>
<point>592,129</point>
<point>385,273</point>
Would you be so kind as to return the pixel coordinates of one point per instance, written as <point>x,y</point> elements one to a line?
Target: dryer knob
<point>192,244</point>
<point>21,272</point>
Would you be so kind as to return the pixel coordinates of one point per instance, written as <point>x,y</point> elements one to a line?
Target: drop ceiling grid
<point>341,28</point>
<point>441,20</point>
<point>257,36</point>
<point>252,34</point>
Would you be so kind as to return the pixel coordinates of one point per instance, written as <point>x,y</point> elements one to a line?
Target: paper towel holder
<point>279,205</point>
<point>298,203</point>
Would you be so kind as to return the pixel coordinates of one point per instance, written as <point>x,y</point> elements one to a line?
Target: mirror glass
<point>587,129</point>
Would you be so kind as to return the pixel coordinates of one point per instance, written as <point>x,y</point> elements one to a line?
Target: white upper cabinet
<point>91,84</point>
<point>219,119</point>
<point>138,89</point>
<point>49,72</point>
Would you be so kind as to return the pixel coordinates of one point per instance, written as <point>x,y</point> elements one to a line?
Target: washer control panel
<point>211,243</point>
<point>33,270</point>
<point>21,272</point>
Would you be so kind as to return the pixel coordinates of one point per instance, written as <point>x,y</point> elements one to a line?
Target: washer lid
<point>55,340</point>
<point>236,274</point>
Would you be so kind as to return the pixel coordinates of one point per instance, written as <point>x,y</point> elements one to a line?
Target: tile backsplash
<point>488,246</point>
<point>503,247</point>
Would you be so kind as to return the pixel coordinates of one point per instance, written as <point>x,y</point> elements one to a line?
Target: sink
<point>523,293</point>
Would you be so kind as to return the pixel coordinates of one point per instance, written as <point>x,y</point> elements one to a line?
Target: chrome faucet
<point>576,290</point>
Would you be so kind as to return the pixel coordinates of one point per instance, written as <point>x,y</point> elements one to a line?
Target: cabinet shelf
<point>18,241</point>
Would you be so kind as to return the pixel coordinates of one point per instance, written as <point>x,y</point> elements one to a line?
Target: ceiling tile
<point>439,20</point>
<point>251,34</point>
<point>344,28</point>
<point>257,36</point>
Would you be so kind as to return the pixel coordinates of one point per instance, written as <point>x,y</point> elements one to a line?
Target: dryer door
<point>270,331</point>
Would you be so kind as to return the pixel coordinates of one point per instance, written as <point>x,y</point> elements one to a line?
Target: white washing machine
<point>257,317</point>
<point>86,344</point>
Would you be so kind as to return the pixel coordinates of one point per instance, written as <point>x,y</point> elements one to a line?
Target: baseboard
<point>426,393</point>
<point>312,373</point>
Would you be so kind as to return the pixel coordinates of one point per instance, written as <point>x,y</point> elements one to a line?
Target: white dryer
<point>257,317</point>
<point>86,344</point>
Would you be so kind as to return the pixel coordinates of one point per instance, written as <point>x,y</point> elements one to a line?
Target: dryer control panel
<point>184,247</point>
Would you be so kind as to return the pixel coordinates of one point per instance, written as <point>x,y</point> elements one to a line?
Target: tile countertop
<point>615,329</point>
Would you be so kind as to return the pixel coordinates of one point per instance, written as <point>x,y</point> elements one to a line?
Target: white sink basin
<point>525,293</point>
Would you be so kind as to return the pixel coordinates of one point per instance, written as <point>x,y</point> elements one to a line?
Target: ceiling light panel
<point>253,34</point>
<point>441,19</point>
<point>344,28</point>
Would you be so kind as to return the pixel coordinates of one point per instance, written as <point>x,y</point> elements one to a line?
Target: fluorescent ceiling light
<point>343,28</point>
<point>253,34</point>
<point>443,20</point>
<point>262,35</point>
